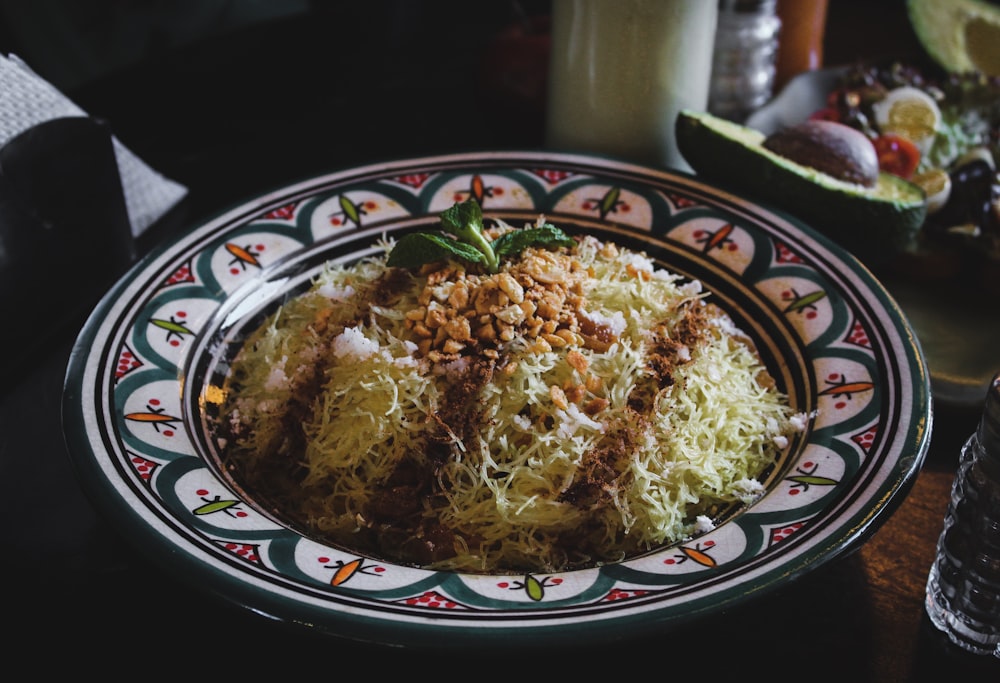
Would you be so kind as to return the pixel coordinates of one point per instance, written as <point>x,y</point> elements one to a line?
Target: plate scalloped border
<point>143,377</point>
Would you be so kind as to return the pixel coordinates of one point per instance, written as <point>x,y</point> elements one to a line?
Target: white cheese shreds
<point>573,419</point>
<point>335,293</point>
<point>703,524</point>
<point>277,379</point>
<point>579,407</point>
<point>352,344</point>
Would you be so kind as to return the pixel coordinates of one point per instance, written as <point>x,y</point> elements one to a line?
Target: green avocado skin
<point>940,26</point>
<point>873,224</point>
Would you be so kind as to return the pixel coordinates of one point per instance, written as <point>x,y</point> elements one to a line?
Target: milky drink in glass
<point>621,71</point>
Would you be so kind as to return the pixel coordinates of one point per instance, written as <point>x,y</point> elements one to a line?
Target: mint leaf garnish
<point>464,220</point>
<point>418,248</point>
<point>547,235</point>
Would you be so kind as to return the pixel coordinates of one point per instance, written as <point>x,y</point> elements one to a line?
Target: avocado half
<point>960,35</point>
<point>873,223</point>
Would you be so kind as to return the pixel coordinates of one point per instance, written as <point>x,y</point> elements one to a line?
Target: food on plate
<point>956,165</point>
<point>909,113</point>
<point>488,398</point>
<point>873,222</point>
<point>832,148</point>
<point>960,35</point>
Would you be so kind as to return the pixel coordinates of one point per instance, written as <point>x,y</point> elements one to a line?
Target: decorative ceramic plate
<point>149,363</point>
<point>956,334</point>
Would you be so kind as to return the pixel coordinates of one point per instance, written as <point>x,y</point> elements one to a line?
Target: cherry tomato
<point>897,155</point>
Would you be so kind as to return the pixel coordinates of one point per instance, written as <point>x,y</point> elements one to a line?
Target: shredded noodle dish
<point>577,406</point>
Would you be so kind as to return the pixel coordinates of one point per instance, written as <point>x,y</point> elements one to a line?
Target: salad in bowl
<point>941,132</point>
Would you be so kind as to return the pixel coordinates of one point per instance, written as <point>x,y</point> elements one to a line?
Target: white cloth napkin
<point>26,100</point>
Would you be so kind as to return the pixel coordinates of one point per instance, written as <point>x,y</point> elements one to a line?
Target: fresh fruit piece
<point>897,155</point>
<point>828,146</point>
<point>960,35</point>
<point>910,113</point>
<point>873,223</point>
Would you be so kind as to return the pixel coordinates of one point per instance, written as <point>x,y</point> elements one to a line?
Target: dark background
<point>230,97</point>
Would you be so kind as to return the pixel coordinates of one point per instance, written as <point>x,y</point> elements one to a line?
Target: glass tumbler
<point>621,71</point>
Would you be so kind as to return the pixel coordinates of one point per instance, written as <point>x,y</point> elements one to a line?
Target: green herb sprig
<point>464,221</point>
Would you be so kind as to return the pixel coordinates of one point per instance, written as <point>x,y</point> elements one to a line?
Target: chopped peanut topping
<point>538,297</point>
<point>578,361</point>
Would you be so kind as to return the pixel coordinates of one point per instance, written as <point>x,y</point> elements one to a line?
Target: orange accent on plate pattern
<point>151,417</point>
<point>344,571</point>
<point>478,189</point>
<point>841,387</point>
<point>697,553</point>
<point>716,240</point>
<point>244,256</point>
<point>155,416</point>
